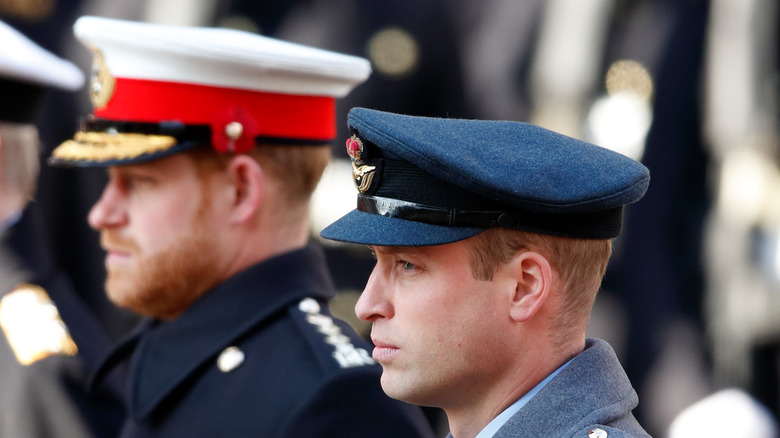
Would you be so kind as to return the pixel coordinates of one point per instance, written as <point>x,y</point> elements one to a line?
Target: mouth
<point>383,352</point>
<point>118,250</point>
<point>116,256</point>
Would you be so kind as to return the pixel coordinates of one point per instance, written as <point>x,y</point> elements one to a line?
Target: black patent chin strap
<point>411,211</point>
<point>594,225</point>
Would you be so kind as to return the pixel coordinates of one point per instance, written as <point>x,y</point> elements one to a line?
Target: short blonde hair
<point>580,264</point>
<point>295,169</point>
<point>298,168</point>
<point>19,158</point>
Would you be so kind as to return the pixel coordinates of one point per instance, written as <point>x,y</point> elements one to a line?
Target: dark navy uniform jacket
<point>49,397</point>
<point>259,356</point>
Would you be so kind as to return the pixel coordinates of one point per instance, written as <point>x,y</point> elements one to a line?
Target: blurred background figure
<point>51,339</point>
<point>690,87</point>
<point>743,227</point>
<point>729,411</point>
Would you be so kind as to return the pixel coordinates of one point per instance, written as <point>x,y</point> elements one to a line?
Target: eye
<point>406,266</point>
<point>132,182</point>
<point>143,179</point>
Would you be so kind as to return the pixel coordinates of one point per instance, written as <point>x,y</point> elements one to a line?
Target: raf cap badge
<point>362,173</point>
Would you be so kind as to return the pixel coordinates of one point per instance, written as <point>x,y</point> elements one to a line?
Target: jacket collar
<point>592,389</point>
<point>165,354</point>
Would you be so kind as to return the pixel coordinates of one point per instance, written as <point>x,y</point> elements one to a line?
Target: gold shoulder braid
<point>32,325</point>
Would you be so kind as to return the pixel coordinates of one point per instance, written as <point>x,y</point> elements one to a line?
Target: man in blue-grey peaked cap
<point>491,240</point>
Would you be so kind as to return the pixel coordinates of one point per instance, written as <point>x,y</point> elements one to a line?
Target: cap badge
<point>362,173</point>
<point>101,84</point>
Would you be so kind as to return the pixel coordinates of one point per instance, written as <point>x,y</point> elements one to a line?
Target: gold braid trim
<point>32,325</point>
<point>102,146</point>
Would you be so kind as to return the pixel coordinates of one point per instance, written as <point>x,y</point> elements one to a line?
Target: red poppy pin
<point>362,173</point>
<point>355,149</point>
<point>234,131</point>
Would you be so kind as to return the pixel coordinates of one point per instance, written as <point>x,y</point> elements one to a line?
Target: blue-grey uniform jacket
<point>260,356</point>
<point>590,398</point>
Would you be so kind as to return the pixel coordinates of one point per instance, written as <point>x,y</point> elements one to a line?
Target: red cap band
<point>276,115</point>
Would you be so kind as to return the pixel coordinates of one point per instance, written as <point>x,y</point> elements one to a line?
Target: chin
<point>394,389</point>
<point>120,293</point>
<point>413,391</point>
<point>125,293</point>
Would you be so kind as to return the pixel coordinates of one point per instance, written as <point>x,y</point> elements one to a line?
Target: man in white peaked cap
<point>50,340</point>
<point>214,140</point>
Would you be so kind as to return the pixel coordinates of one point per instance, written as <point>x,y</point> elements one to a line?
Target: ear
<point>533,275</point>
<point>248,184</point>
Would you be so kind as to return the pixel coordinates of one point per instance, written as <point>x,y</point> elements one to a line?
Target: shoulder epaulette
<point>33,326</point>
<point>344,351</point>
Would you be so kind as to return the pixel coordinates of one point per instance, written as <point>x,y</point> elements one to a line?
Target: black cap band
<point>605,224</point>
<point>21,100</point>
<point>181,131</point>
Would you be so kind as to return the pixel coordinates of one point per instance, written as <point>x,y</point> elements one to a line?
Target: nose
<point>109,211</point>
<point>374,302</point>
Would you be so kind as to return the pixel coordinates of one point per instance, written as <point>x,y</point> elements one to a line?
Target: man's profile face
<point>437,329</point>
<point>159,235</point>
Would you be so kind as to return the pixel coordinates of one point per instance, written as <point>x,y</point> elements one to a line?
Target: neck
<point>468,420</point>
<point>10,205</point>
<point>264,242</point>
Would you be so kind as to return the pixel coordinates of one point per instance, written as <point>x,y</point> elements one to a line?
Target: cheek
<point>440,312</point>
<point>468,315</point>
<point>155,224</point>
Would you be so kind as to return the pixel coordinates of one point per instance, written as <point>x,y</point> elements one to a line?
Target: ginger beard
<point>165,283</point>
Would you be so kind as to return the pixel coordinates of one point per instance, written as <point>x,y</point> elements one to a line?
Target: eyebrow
<point>412,250</point>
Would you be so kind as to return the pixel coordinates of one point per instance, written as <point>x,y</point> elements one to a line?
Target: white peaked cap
<point>24,61</point>
<point>220,57</point>
<point>158,90</point>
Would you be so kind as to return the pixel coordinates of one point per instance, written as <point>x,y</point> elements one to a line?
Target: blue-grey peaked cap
<point>428,181</point>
